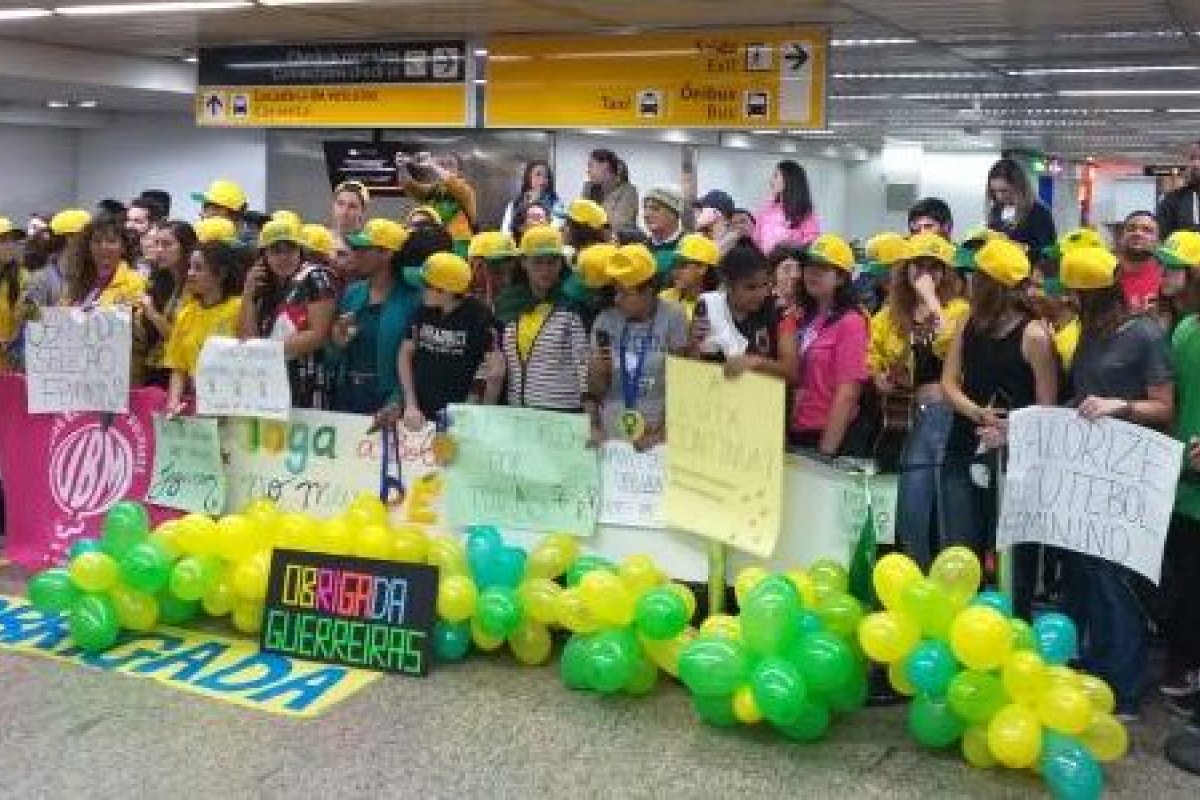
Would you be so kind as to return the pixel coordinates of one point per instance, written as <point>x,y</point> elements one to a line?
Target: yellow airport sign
<point>742,78</point>
<point>358,106</point>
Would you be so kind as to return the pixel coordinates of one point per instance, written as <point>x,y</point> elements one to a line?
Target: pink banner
<point>62,472</point>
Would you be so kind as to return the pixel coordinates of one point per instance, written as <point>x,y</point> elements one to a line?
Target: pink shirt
<point>1140,282</point>
<point>831,354</point>
<point>772,228</point>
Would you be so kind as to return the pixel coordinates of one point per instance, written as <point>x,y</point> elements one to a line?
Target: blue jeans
<point>1114,642</point>
<point>920,500</point>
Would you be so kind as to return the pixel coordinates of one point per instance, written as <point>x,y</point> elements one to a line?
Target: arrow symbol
<point>214,105</point>
<point>796,57</point>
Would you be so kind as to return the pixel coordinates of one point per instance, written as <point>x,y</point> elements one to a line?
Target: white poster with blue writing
<point>1102,488</point>
<point>77,360</point>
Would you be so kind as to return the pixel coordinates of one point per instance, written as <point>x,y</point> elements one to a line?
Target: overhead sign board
<point>743,78</point>
<point>361,84</point>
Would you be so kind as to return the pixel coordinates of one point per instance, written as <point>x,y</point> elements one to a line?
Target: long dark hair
<point>845,298</point>
<point>595,192</point>
<point>795,198</point>
<point>1102,311</point>
<point>527,179</point>
<point>166,283</point>
<point>10,278</point>
<point>228,263</point>
<point>580,236</point>
<point>1009,171</point>
<point>82,273</point>
<point>742,261</point>
<point>902,299</point>
<point>991,300</point>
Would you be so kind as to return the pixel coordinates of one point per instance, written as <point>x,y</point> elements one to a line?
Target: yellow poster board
<point>741,78</point>
<point>725,455</point>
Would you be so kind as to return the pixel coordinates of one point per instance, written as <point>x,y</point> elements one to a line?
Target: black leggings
<point>1181,592</point>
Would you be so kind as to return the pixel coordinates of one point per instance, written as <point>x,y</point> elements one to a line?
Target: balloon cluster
<point>789,658</point>
<point>987,680</point>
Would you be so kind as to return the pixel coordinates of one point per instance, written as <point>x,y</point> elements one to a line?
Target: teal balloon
<point>52,591</point>
<point>612,660</point>
<point>146,567</point>
<point>932,723</point>
<point>716,710</point>
<point>993,599</point>
<point>809,622</point>
<point>1056,637</point>
<point>770,621</point>
<point>508,567</point>
<point>660,614</point>
<point>585,564</point>
<point>810,725</point>
<point>850,696</point>
<point>451,641</point>
<point>84,545</point>
<point>573,667</point>
<point>713,665</point>
<point>483,538</point>
<point>92,623</point>
<point>976,696</point>
<point>825,660</point>
<point>173,611</point>
<point>498,611</point>
<point>644,679</point>
<point>931,667</point>
<point>1072,773</point>
<point>779,689</point>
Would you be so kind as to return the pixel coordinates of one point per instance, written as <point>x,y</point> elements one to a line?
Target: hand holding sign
<point>243,379</point>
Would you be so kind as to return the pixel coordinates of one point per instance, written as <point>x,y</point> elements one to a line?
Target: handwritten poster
<point>631,485</point>
<point>188,473</point>
<point>78,360</point>
<point>522,468</point>
<point>1102,488</point>
<point>243,379</point>
<point>725,459</point>
<point>315,463</point>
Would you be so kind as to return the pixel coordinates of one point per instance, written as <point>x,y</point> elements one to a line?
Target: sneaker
<point>1185,684</point>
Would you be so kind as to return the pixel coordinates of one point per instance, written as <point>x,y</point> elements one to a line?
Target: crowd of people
<point>912,350</point>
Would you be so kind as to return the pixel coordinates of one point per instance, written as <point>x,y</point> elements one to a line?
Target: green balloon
<point>146,567</point>
<point>498,610</point>
<point>574,668</point>
<point>770,621</point>
<point>810,725</point>
<point>612,660</point>
<point>851,695</point>
<point>716,710</point>
<point>645,678</point>
<point>976,696</point>
<point>1023,638</point>
<point>931,606</point>
<point>779,690</point>
<point>825,660</point>
<point>451,641</point>
<point>130,509</point>
<point>841,614</point>
<point>779,585</point>
<point>192,577</point>
<point>585,564</point>
<point>173,611</point>
<point>713,665</point>
<point>660,614</point>
<point>52,591</point>
<point>809,622</point>
<point>932,723</point>
<point>93,624</point>
<point>125,525</point>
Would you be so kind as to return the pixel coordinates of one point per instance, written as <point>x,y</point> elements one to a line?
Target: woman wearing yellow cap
<point>492,256</point>
<point>692,274</point>
<point>1122,369</point>
<point>1001,359</point>
<point>630,344</point>
<point>100,273</point>
<point>12,289</point>
<point>48,286</point>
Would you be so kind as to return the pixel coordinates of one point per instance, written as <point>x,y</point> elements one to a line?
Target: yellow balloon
<point>410,544</point>
<point>981,638</point>
<point>250,578</point>
<point>894,573</point>
<point>804,585</point>
<point>167,535</point>
<point>566,542</point>
<point>456,598</point>
<point>448,555</point>
<point>546,561</point>
<point>539,599</point>
<point>135,611</point>
<point>1024,677</point>
<point>262,507</point>
<point>975,747</point>
<point>371,506</point>
<point>248,617</point>
<point>1099,693</point>
<point>723,625</point>
<point>888,637</point>
<point>482,639</point>
<point>664,653</point>
<point>373,541</point>
<point>574,614</point>
<point>1065,709</point>
<point>746,580</point>
<point>236,538</point>
<point>295,532</point>
<point>640,574</point>
<point>196,535</point>
<point>530,643</point>
<point>220,598</point>
<point>687,595</point>
<point>332,536</point>
<point>1060,675</point>
<point>1106,737</point>
<point>1015,737</point>
<point>745,707</point>
<point>956,569</point>
<point>899,681</point>
<point>607,598</point>
<point>94,571</point>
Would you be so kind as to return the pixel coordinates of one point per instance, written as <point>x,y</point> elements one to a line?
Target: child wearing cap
<point>691,275</point>
<point>448,339</point>
<point>12,290</point>
<point>627,376</point>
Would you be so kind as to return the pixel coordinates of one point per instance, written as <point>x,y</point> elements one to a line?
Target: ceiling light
<point>191,59</point>
<point>950,76</point>
<point>309,2</point>
<point>1126,92</point>
<point>880,42</point>
<point>1151,34</point>
<point>944,96</point>
<point>87,104</point>
<point>118,9</point>
<point>480,52</point>
<point>57,104</point>
<point>7,14</point>
<point>1106,70</point>
<point>1183,110</point>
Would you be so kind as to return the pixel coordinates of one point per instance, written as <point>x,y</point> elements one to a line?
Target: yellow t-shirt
<point>529,325</point>
<point>192,328</point>
<point>125,288</point>
<point>688,304</point>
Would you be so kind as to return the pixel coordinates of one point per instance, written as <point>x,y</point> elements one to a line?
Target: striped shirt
<point>554,376</point>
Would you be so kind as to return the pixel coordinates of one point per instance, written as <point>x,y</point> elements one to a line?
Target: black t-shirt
<point>761,330</point>
<point>449,349</point>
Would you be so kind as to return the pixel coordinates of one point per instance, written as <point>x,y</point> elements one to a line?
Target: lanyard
<point>631,380</point>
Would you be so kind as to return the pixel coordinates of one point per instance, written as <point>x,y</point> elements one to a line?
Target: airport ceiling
<point>1072,77</point>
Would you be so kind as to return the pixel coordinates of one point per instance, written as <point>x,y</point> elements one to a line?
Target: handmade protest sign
<point>77,360</point>
<point>188,473</point>
<point>316,463</point>
<point>1103,488</point>
<point>725,455</point>
<point>356,612</point>
<point>631,485</point>
<point>243,379</point>
<point>522,468</point>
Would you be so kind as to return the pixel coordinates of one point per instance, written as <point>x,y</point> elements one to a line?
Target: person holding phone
<point>439,182</point>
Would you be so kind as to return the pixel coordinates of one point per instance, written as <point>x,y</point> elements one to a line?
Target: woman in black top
<point>1014,210</point>
<point>1001,359</point>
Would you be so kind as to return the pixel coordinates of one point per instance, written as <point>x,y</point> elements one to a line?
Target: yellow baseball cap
<point>69,221</point>
<point>428,211</point>
<point>699,249</point>
<point>542,240</point>
<point>1181,250</point>
<point>8,229</point>
<point>288,216</point>
<point>884,251</point>
<point>1071,240</point>
<point>223,193</point>
<point>592,264</point>
<point>832,250</point>
<point>378,232</point>
<point>318,239</point>
<point>216,229</point>
<point>588,213</point>
<point>492,245</point>
<point>1084,268</point>
<point>278,231</point>
<point>930,245</point>
<point>444,271</point>
<point>1003,261</point>
<point>632,266</point>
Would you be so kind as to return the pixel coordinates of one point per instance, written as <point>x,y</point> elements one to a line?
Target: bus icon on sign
<point>240,105</point>
<point>650,103</point>
<point>758,105</point>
